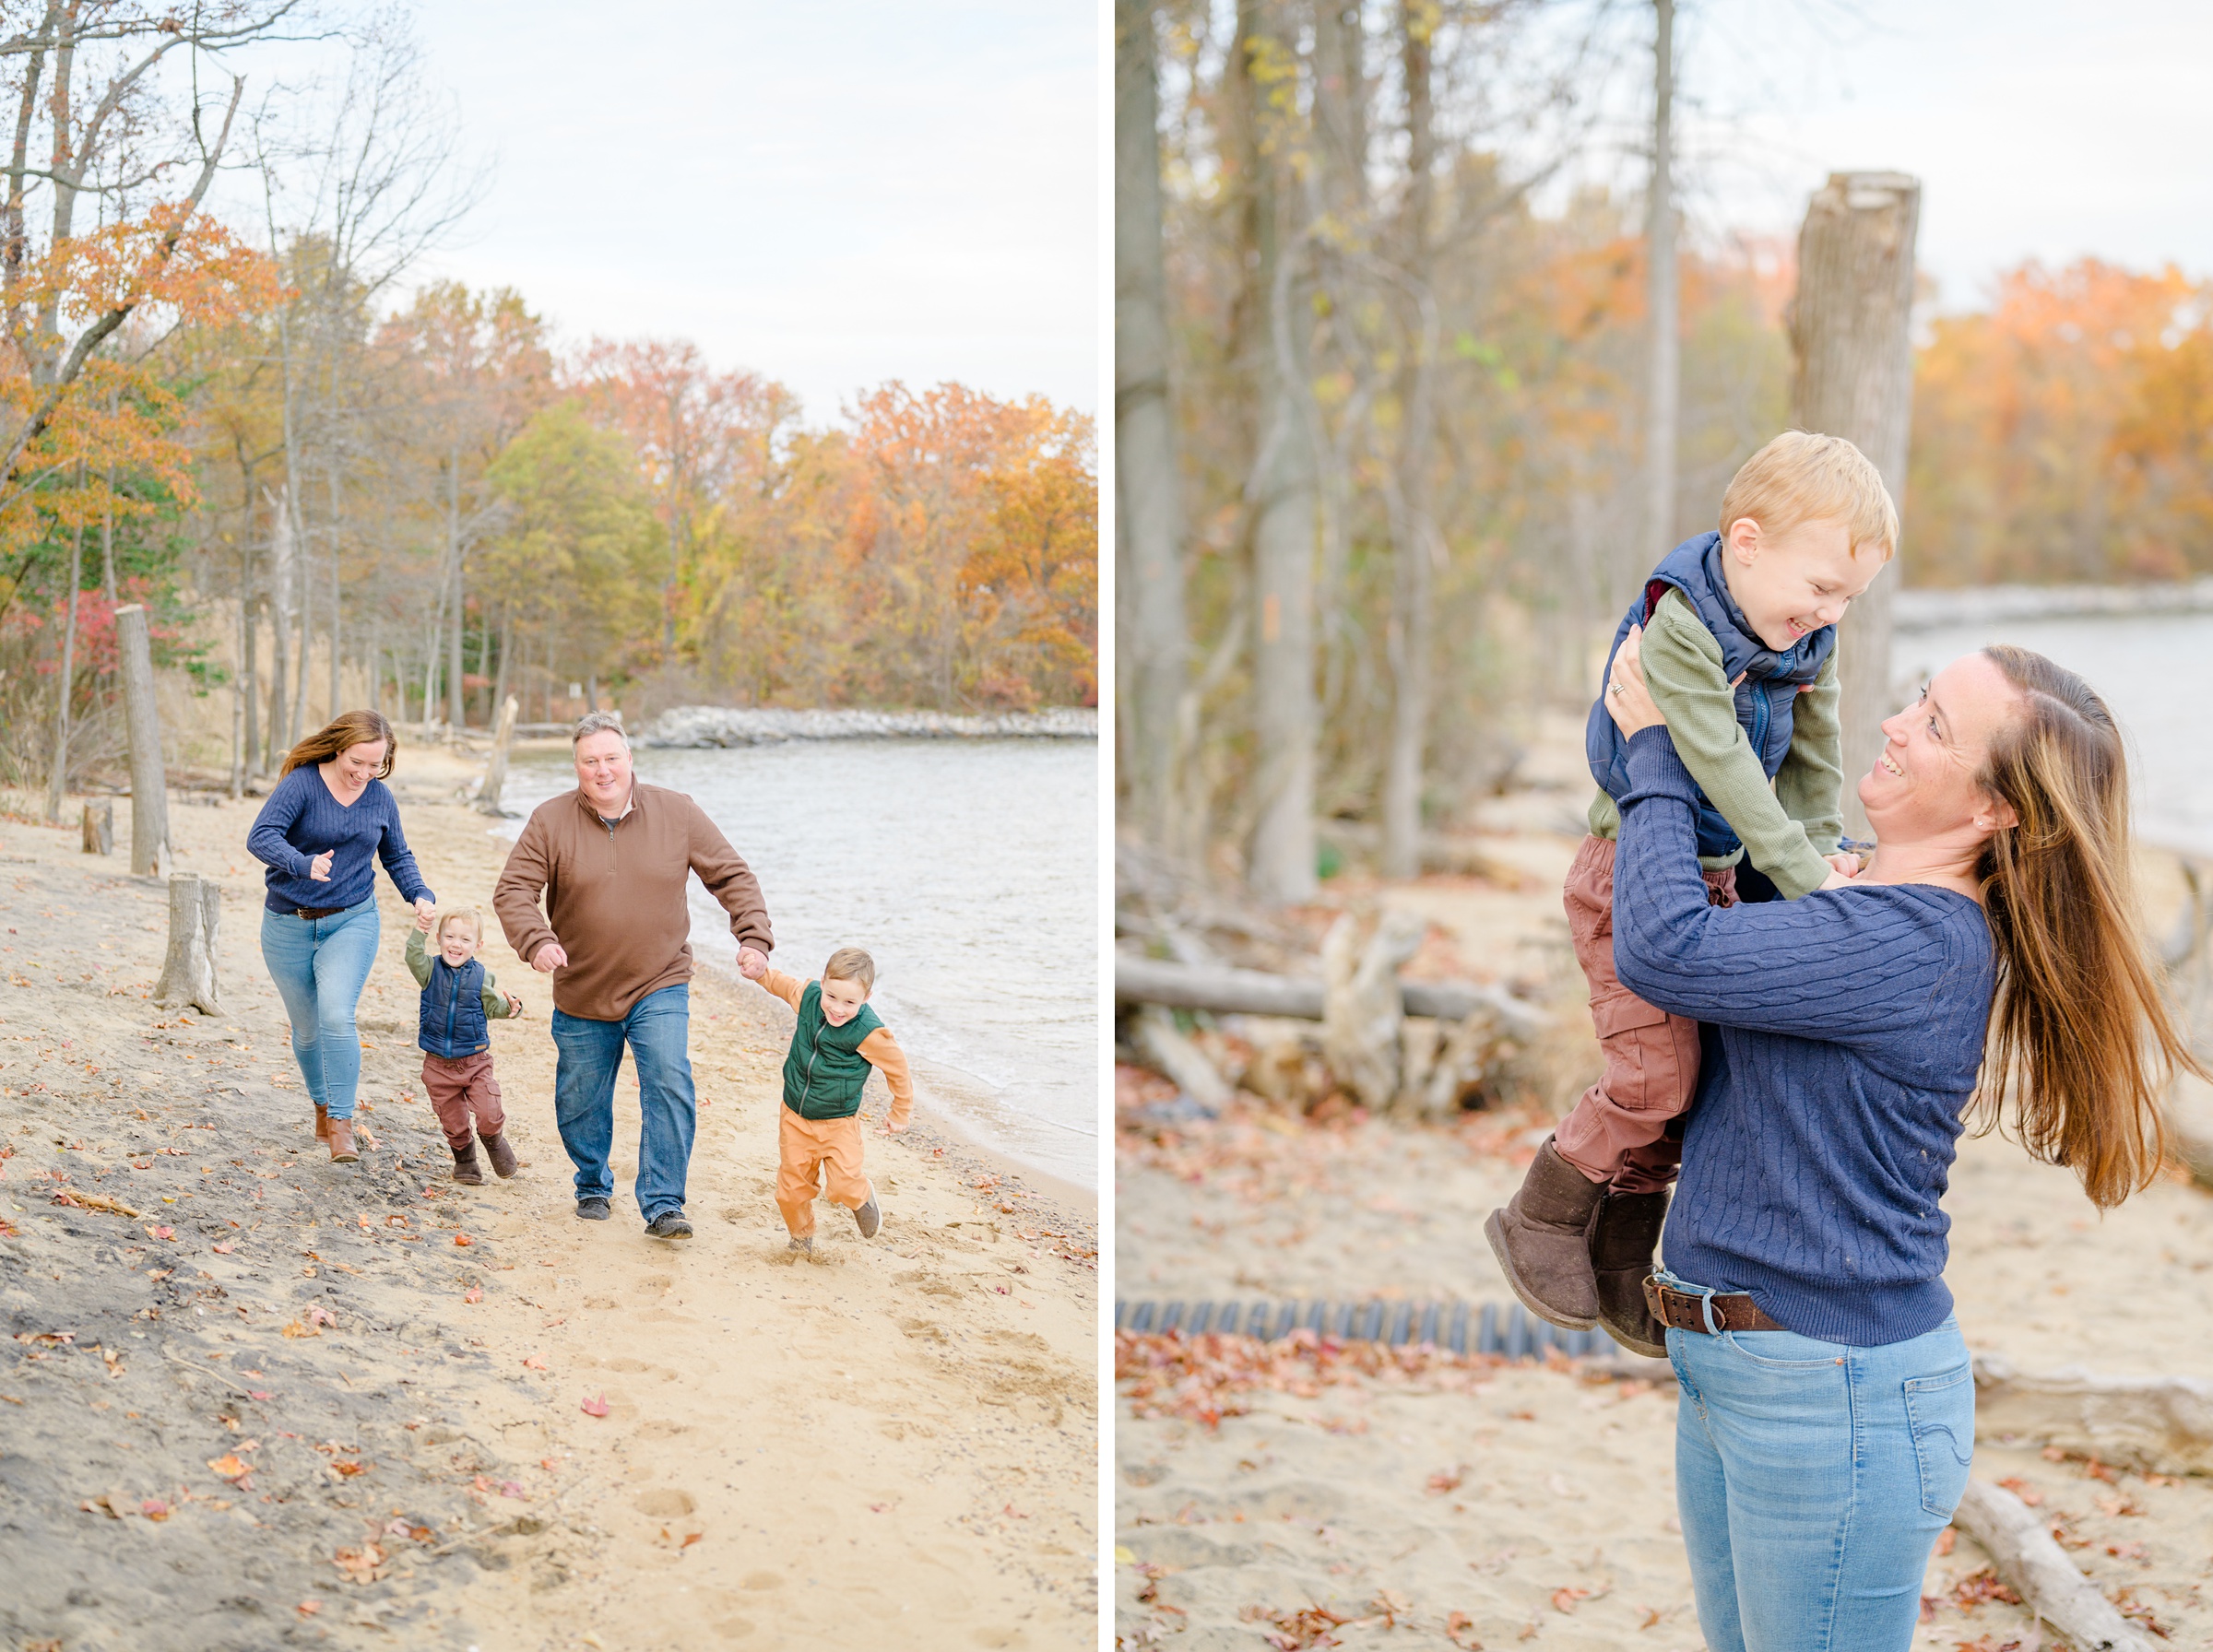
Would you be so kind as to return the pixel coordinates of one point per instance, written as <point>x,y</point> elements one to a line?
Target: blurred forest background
<point>1397,441</point>
<point>229,394</point>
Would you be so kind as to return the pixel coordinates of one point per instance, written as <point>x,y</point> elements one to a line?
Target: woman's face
<point>1922,785</point>
<point>358,764</point>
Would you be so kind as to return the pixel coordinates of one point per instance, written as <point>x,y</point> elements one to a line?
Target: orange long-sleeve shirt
<point>879,1049</point>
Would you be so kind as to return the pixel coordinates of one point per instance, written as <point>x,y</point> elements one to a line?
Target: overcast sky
<point>2039,128</point>
<point>833,192</point>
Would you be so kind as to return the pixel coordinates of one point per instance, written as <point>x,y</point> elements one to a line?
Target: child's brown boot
<point>504,1161</point>
<point>465,1166</point>
<point>1621,1255</point>
<point>1542,1241</point>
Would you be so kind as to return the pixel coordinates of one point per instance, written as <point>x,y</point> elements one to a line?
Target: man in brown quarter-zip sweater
<point>612,860</point>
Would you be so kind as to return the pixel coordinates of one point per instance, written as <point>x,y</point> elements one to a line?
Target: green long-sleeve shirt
<point>1787,827</point>
<point>419,966</point>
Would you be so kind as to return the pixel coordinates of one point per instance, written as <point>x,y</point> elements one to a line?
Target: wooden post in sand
<point>100,828</point>
<point>149,781</point>
<point>196,904</point>
<point>1850,335</point>
<point>496,770</point>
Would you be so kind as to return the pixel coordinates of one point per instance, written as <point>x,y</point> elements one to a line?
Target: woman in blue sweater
<point>1986,960</point>
<point>329,821</point>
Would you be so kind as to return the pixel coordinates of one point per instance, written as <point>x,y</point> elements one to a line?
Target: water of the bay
<point>968,870</point>
<point>2154,671</point>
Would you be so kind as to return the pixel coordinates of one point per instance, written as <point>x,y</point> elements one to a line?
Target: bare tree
<point>1149,518</point>
<point>1663,295</point>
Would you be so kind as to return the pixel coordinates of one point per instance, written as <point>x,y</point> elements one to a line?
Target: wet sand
<point>290,1402</point>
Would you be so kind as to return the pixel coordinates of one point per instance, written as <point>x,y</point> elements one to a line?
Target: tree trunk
<point>149,781</point>
<point>60,780</point>
<point>188,972</point>
<point>456,711</point>
<point>1227,991</point>
<point>1851,333</point>
<point>281,617</point>
<point>1147,486</point>
<point>98,824</point>
<point>1414,533</point>
<point>107,536</point>
<point>1662,306</point>
<point>336,689</point>
<point>1281,493</point>
<point>495,770</point>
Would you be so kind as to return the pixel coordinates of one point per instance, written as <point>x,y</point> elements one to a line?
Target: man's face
<point>603,769</point>
<point>842,1001</point>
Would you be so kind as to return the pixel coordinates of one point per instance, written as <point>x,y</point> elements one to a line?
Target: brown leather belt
<point>312,913</point>
<point>1686,1310</point>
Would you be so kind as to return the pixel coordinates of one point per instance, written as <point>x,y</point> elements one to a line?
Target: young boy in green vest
<point>838,1039</point>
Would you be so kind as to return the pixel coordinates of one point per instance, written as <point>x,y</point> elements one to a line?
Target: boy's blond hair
<point>459,915</point>
<point>850,964</point>
<point>1800,478</point>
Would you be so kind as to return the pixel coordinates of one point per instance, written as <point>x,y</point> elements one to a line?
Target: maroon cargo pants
<point>460,1086</point>
<point>1623,1131</point>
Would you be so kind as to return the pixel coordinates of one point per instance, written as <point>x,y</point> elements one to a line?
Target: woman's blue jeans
<point>1812,1479</point>
<point>320,966</point>
<point>589,1056</point>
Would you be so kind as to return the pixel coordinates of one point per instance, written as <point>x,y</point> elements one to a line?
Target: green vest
<point>826,1072</point>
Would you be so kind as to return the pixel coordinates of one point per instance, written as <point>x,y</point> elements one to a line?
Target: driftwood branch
<point>2039,1571</point>
<point>1227,991</point>
<point>1163,1043</point>
<point>2163,1424</point>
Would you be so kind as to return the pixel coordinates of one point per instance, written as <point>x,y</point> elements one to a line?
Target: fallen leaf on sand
<point>295,1328</point>
<point>362,1219</point>
<point>349,1469</point>
<point>690,1539</point>
<point>365,1564</point>
<point>474,1293</point>
<point>223,1250</point>
<point>227,1466</point>
<point>596,1405</point>
<point>161,1233</point>
<point>463,1239</point>
<point>534,1363</point>
<point>257,1393</point>
<point>1564,1600</point>
<point>878,1508</point>
<point>153,1508</point>
<point>511,1488</point>
<point>315,1316</point>
<point>308,1609</point>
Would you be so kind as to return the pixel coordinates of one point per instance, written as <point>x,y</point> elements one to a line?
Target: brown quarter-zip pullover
<point>614,896</point>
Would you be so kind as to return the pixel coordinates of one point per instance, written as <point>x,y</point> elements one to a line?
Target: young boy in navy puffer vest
<point>1737,633</point>
<point>457,1004</point>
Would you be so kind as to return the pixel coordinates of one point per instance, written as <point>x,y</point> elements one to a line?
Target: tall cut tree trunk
<point>280,617</point>
<point>1851,335</point>
<point>1281,494</point>
<point>65,678</point>
<point>1414,533</point>
<point>1663,299</point>
<point>149,780</point>
<point>1148,489</point>
<point>304,602</point>
<point>457,711</point>
<point>336,689</point>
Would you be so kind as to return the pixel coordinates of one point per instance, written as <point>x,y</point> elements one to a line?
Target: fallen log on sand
<point>2036,1568</point>
<point>2163,1424</point>
<point>1228,991</point>
<point>1162,1043</point>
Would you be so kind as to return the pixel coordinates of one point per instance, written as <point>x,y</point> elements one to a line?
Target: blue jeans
<point>656,1029</point>
<point>1813,1477</point>
<point>320,966</point>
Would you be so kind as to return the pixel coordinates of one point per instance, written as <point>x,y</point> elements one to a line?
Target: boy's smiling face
<point>842,1001</point>
<point>456,943</point>
<point>1793,582</point>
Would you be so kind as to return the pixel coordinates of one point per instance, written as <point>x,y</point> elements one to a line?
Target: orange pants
<point>1625,1130</point>
<point>805,1147</point>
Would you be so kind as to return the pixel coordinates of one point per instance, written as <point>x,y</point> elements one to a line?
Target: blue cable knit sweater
<point>302,819</point>
<point>1844,1035</point>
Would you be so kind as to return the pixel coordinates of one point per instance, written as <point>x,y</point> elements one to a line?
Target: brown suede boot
<point>1621,1255</point>
<point>504,1161</point>
<point>465,1166</point>
<point>341,1141</point>
<point>1542,1241</point>
<point>322,1122</point>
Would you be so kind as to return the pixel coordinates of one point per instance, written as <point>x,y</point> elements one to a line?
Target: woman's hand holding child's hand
<point>425,915</point>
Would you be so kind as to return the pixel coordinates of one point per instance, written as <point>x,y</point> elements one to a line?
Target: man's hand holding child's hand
<point>752,963</point>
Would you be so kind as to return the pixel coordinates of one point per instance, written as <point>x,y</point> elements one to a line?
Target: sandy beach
<point>1267,1497</point>
<point>286,1402</point>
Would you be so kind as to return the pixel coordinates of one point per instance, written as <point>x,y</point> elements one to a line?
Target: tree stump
<point>100,828</point>
<point>1362,1009</point>
<point>188,972</point>
<point>496,770</point>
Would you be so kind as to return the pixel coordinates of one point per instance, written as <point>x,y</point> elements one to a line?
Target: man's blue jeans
<point>1812,1479</point>
<point>320,966</point>
<point>656,1029</point>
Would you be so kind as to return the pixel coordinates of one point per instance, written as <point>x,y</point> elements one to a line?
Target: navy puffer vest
<point>453,1010</point>
<point>1764,699</point>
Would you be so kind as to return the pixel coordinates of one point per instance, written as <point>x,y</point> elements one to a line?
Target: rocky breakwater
<point>705,726</point>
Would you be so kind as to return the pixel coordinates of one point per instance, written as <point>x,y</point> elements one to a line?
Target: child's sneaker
<point>805,1245</point>
<point>465,1166</point>
<point>868,1218</point>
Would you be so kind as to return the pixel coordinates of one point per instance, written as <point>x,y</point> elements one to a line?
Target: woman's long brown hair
<point>2082,1038</point>
<point>347,728</point>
